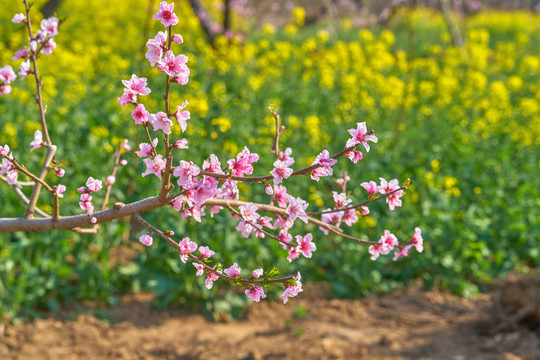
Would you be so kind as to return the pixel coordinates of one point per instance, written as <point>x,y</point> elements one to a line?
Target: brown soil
<point>408,325</point>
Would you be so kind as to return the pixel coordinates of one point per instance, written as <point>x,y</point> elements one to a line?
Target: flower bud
<point>93,220</point>
<point>111,180</point>
<point>123,162</point>
<point>146,239</point>
<point>177,38</point>
<point>60,172</point>
<point>33,46</point>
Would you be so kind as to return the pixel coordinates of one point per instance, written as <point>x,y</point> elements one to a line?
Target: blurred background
<point>451,88</point>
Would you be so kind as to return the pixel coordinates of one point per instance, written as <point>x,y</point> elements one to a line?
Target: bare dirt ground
<point>408,325</point>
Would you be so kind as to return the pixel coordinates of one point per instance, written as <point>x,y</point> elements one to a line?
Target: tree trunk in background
<point>204,19</point>
<point>451,23</point>
<point>50,7</point>
<point>227,16</point>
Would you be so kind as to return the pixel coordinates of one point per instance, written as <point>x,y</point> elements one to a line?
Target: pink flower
<point>59,190</point>
<point>292,289</point>
<point>155,48</point>
<point>6,164</point>
<point>206,252</point>
<point>354,155</point>
<point>255,293</point>
<point>243,162</point>
<point>11,177</point>
<point>325,162</point>
<point>283,222</point>
<point>93,185</point>
<point>25,69</point>
<point>182,77</point>
<point>38,141</point>
<point>281,196</point>
<point>402,252</point>
<point>281,171</point>
<point>371,187</point>
<point>177,38</point>
<point>204,190</point>
<point>5,89</point>
<point>233,271</point>
<point>171,64</point>
<point>161,121</point>
<point>137,85</point>
<point>297,209</point>
<point>417,240</point>
<point>360,136</point>
<point>392,200</point>
<point>18,18</point>
<point>333,218</point>
<point>388,241</point>
<point>7,75</point>
<point>249,212</point>
<point>213,165</point>
<point>21,54</point>
<point>87,206</point>
<point>86,197</point>
<point>154,166</point>
<point>48,47</point>
<point>129,97</point>
<point>182,116</point>
<point>146,240</point>
<point>166,14</point>
<point>180,144</point>
<point>185,172</point>
<point>257,273</point>
<point>186,247</point>
<point>285,237</point>
<point>211,277</point>
<point>374,250</point>
<point>341,199</point>
<point>50,26</point>
<point>140,115</point>
<point>285,156</point>
<point>349,218</point>
<point>4,150</point>
<point>146,149</point>
<point>305,246</point>
<point>200,269</point>
<point>294,253</point>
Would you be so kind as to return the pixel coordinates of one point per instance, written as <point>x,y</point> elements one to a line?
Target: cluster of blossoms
<point>391,190</point>
<point>41,42</point>
<point>92,185</point>
<point>389,242</point>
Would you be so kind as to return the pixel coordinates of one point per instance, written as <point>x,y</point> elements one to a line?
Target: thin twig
<point>51,151</point>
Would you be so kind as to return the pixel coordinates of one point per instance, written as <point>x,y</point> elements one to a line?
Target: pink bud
<point>82,190</point>
<point>93,220</point>
<point>60,172</point>
<point>111,180</point>
<point>268,189</point>
<point>146,239</point>
<point>33,46</point>
<point>171,232</point>
<point>123,162</point>
<point>177,38</point>
<point>180,144</point>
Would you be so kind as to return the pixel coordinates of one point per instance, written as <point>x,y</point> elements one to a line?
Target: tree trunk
<point>50,7</point>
